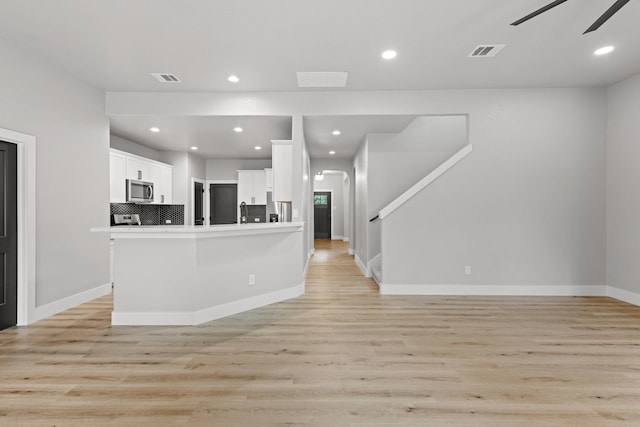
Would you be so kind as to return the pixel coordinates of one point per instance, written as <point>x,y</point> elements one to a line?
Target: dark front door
<point>8,235</point>
<point>198,197</point>
<point>322,214</point>
<point>223,203</point>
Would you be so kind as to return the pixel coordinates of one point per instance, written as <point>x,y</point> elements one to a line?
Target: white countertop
<point>198,231</point>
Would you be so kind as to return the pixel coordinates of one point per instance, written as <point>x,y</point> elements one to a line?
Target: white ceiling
<point>116,44</point>
<point>318,132</point>
<point>213,135</point>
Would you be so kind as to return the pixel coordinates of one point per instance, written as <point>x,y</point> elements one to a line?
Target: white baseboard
<point>623,295</point>
<point>69,302</point>
<point>207,314</point>
<point>337,237</point>
<point>362,267</point>
<point>345,239</point>
<point>306,264</point>
<point>351,251</point>
<point>493,290</point>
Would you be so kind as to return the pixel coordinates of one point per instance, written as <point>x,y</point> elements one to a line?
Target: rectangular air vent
<point>322,78</point>
<point>486,50</point>
<point>166,77</point>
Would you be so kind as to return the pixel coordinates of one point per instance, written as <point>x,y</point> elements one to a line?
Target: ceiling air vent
<point>166,77</point>
<point>486,50</point>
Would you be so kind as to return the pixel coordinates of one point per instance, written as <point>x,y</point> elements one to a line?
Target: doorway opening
<point>223,203</point>
<point>8,235</point>
<point>322,214</point>
<point>198,202</point>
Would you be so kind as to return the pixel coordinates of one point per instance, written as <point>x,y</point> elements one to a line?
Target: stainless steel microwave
<point>139,191</point>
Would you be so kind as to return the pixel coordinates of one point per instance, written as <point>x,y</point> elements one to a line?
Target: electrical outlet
<point>467,270</point>
<point>252,279</point>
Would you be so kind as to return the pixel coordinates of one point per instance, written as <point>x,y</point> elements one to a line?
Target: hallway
<point>341,355</point>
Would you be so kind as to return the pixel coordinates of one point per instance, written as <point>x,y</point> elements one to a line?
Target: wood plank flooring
<point>341,355</point>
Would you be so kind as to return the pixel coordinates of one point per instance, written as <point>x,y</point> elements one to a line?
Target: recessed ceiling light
<point>336,132</point>
<point>233,79</point>
<point>389,54</point>
<point>237,129</point>
<point>194,148</point>
<point>257,147</point>
<point>332,152</point>
<point>604,50</point>
<point>154,129</point>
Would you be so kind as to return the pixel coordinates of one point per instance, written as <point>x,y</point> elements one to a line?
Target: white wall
<point>623,176</point>
<point>67,117</point>
<point>525,208</point>
<point>227,169</point>
<point>361,202</point>
<point>129,146</point>
<point>399,160</point>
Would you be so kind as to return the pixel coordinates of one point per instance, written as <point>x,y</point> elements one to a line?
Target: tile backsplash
<point>151,214</point>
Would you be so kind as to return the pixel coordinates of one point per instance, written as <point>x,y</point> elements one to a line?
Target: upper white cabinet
<point>282,164</point>
<point>141,169</point>
<point>252,187</point>
<point>163,186</point>
<point>123,166</point>
<point>269,174</point>
<point>118,189</point>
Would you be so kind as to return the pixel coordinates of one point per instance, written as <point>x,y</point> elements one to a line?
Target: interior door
<point>223,203</point>
<point>198,197</point>
<point>8,235</point>
<point>322,214</point>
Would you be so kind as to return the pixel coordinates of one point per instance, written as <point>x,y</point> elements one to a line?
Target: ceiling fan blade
<point>605,16</point>
<point>539,11</point>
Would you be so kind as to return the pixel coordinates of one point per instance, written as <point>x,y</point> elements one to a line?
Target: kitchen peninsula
<point>187,275</point>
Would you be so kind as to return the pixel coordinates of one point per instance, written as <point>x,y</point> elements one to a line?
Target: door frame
<point>26,145</point>
<point>330,209</point>
<point>208,196</point>
<point>193,201</point>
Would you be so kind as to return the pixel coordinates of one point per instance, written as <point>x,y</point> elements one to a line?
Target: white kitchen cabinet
<point>269,175</point>
<point>123,166</point>
<point>252,187</point>
<point>117,180</point>
<point>282,164</point>
<point>141,169</point>
<point>163,186</point>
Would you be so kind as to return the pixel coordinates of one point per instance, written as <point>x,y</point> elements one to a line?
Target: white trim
<point>345,239</point>
<point>330,210</point>
<point>494,290</point>
<point>306,265</point>
<point>70,302</point>
<point>351,251</point>
<point>337,238</point>
<point>623,295</point>
<point>362,267</point>
<point>222,181</point>
<point>26,147</point>
<point>435,174</point>
<point>207,314</point>
<point>198,232</point>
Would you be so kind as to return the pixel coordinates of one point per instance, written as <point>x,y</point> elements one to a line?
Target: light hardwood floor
<point>341,355</point>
